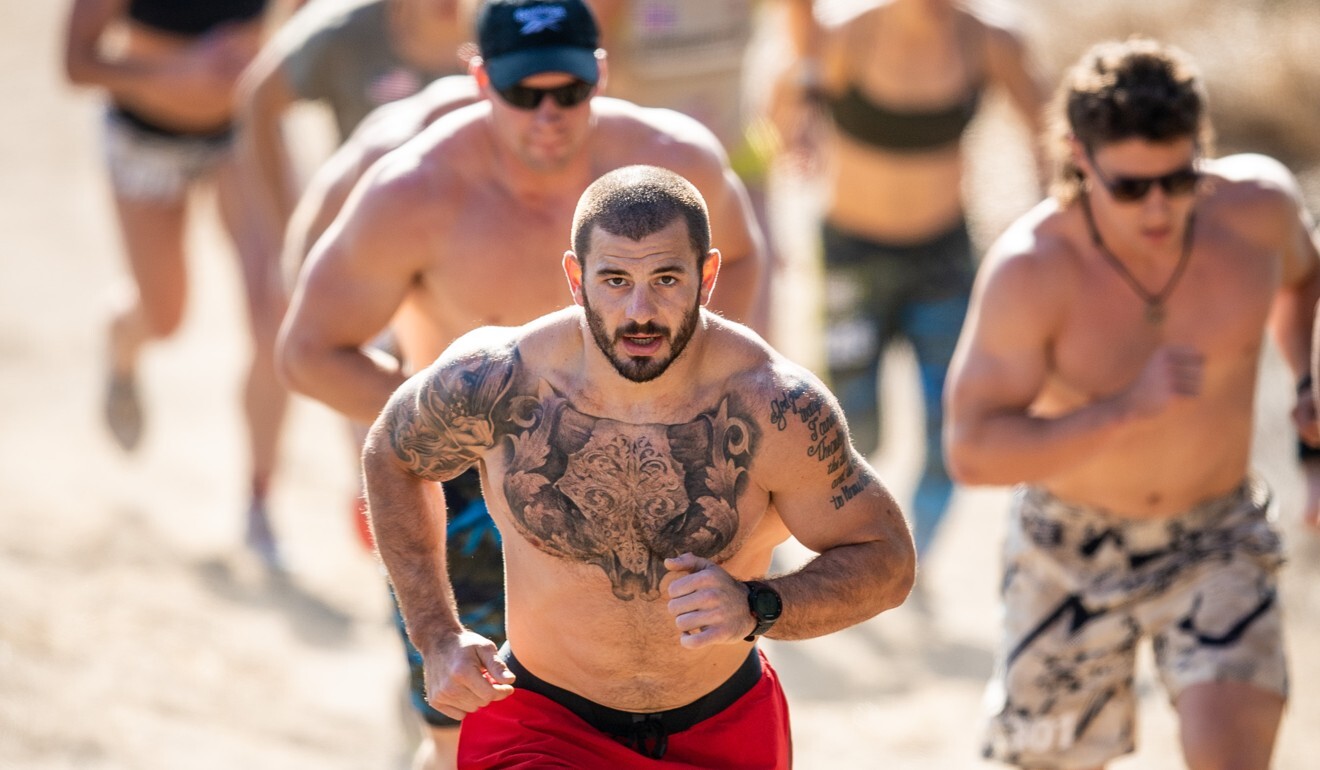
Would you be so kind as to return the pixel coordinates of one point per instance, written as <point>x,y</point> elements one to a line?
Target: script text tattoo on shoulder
<point>826,440</point>
<point>450,424</point>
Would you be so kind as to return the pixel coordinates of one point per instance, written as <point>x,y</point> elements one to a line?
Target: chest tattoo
<point>621,496</point>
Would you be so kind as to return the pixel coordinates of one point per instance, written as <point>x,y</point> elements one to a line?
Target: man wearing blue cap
<point>461,227</point>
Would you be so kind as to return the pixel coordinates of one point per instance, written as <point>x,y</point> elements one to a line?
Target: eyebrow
<point>661,270</point>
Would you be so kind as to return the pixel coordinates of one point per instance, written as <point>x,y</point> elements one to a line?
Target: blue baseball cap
<point>521,38</point>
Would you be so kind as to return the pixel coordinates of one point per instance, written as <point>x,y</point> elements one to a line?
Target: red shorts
<point>529,730</point>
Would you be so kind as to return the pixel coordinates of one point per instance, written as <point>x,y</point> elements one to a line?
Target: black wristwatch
<point>766,607</point>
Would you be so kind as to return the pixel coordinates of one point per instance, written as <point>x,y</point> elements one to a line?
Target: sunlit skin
<point>1039,390</point>
<point>664,631</point>
<point>1146,234</point>
<point>547,138</point>
<point>642,298</point>
<point>1063,381</point>
<point>908,55</point>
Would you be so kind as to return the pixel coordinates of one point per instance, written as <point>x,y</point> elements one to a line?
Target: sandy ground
<point>134,632</point>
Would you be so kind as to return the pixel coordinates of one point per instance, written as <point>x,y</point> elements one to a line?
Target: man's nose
<point>641,305</point>
<point>549,111</point>
<point>1157,202</point>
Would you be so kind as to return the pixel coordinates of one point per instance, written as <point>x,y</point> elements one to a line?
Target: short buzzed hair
<point>636,201</point>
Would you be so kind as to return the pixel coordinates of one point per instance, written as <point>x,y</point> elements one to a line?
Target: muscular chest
<point>1219,307</point>
<point>496,265</point>
<point>623,497</point>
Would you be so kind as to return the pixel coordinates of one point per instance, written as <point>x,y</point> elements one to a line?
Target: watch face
<point>766,604</point>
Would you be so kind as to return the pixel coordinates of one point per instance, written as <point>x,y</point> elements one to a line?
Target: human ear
<point>573,272</point>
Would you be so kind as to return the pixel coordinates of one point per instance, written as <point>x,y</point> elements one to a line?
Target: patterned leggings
<point>876,293</point>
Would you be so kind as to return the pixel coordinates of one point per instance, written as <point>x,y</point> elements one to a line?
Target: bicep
<point>1001,360</point>
<point>357,274</point>
<point>824,490</point>
<point>442,421</point>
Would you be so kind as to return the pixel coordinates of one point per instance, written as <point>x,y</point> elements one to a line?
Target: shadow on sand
<point>311,618</point>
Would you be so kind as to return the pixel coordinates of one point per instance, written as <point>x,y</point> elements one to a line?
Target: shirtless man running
<point>449,232</point>
<point>1109,367</point>
<point>641,457</point>
<point>429,233</point>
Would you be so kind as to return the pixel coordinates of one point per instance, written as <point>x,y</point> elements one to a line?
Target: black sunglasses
<point>528,98</point>
<point>1130,189</point>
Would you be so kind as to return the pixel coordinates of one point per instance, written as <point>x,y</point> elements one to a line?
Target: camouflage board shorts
<point>1081,587</point>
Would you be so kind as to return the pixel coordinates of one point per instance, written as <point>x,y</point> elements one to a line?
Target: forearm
<point>826,595</point>
<point>353,381</point>
<point>408,522</point>
<point>124,79</point>
<point>266,98</point>
<point>1013,447</point>
<point>1292,322</point>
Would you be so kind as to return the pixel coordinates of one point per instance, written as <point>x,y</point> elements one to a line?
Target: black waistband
<point>955,238</point>
<point>218,135</point>
<point>645,733</point>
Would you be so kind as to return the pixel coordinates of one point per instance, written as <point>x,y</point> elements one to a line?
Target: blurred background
<point>135,632</point>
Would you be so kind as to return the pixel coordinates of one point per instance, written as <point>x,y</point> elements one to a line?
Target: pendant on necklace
<point>1154,313</point>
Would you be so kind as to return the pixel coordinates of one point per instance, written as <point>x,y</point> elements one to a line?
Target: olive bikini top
<point>192,17</point>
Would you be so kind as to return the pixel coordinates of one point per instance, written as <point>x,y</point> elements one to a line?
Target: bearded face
<point>629,346</point>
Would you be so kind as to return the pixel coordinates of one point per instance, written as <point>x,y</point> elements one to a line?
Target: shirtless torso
<point>1079,392</point>
<point>593,492</point>
<point>385,129</point>
<point>458,228</point>
<point>641,457</point>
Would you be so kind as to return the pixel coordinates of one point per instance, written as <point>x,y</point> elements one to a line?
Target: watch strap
<point>763,623</point>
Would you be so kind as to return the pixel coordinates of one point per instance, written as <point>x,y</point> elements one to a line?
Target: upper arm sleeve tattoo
<point>450,421</point>
<point>827,438</point>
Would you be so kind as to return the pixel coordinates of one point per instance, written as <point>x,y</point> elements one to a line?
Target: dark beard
<point>646,368</point>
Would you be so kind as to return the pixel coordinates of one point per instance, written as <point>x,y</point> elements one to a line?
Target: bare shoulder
<point>1002,42</point>
<point>1254,192</point>
<point>738,354</point>
<point>392,124</point>
<point>1250,177</point>
<point>803,440</point>
<point>771,384</point>
<point>442,420</point>
<point>402,187</point>
<point>1035,258</point>
<point>631,134</point>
